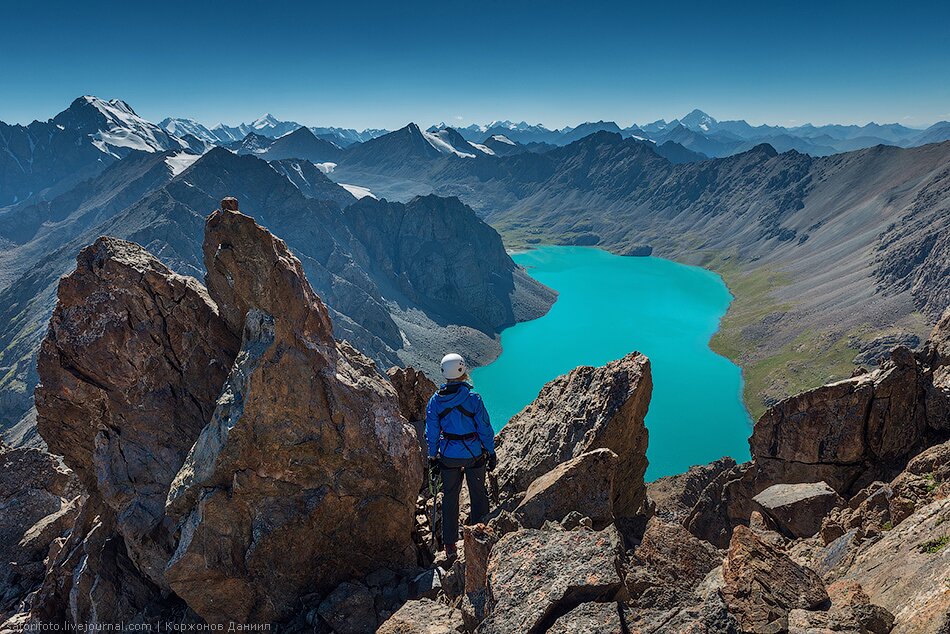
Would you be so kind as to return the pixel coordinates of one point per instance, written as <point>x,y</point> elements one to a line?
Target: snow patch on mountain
<point>178,163</point>
<point>125,129</point>
<point>357,191</point>
<point>180,127</point>
<point>437,141</point>
<point>483,148</point>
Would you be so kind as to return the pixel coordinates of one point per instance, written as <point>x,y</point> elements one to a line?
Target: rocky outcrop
<point>851,612</point>
<point>762,585</point>
<point>306,474</point>
<point>848,431</point>
<point>673,581</point>
<point>847,434</point>
<point>797,509</point>
<point>937,356</point>
<point>414,390</point>
<point>131,366</point>
<point>36,507</point>
<point>583,485</point>
<point>534,577</point>
<point>668,566</point>
<point>907,569</point>
<point>674,497</point>
<point>588,408</point>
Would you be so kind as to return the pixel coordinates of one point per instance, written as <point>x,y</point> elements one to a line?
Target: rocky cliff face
<point>38,501</point>
<point>131,366</point>
<point>305,449</point>
<point>588,408</point>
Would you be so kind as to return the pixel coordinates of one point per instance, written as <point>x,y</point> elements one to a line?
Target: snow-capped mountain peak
<point>699,120</point>
<point>265,122</point>
<point>114,127</point>
<point>445,142</point>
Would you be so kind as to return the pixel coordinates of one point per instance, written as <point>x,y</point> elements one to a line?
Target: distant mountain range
<point>718,138</point>
<point>833,247</point>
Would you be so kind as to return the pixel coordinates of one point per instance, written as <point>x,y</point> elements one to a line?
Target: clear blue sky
<point>382,64</point>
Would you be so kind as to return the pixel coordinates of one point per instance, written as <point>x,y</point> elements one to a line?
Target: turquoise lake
<point>610,305</point>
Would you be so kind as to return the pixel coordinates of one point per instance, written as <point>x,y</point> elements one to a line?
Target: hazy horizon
<point>376,65</point>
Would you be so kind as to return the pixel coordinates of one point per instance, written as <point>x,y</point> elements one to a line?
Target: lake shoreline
<point>600,315</point>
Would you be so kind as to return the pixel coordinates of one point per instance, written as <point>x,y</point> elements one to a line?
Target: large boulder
<point>582,485</point>
<point>535,576</point>
<point>668,566</point>
<point>847,433</point>
<point>306,475</point>
<point>588,408</point>
<point>762,584</point>
<point>851,613</point>
<point>798,509</point>
<point>131,367</point>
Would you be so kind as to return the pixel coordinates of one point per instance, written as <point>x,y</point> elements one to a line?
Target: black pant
<point>452,470</point>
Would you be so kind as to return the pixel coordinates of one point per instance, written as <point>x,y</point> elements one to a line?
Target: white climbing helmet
<point>453,366</point>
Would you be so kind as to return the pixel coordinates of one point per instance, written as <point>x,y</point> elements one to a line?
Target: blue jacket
<point>449,396</point>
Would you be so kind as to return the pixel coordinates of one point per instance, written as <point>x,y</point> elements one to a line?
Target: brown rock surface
<point>423,616</point>
<point>762,585</point>
<point>590,618</point>
<point>937,355</point>
<point>851,613</point>
<point>349,609</point>
<point>667,567</point>
<point>588,408</point>
<point>675,496</point>
<point>93,581</point>
<point>305,477</point>
<point>414,390</point>
<point>535,576</point>
<point>848,432</point>
<point>584,484</point>
<point>907,570</point>
<point>798,509</point>
<point>130,369</point>
<point>478,542</point>
<point>34,509</point>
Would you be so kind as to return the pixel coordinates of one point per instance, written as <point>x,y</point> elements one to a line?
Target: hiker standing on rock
<point>461,443</point>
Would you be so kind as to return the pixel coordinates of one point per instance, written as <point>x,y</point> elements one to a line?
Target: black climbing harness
<point>444,435</point>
